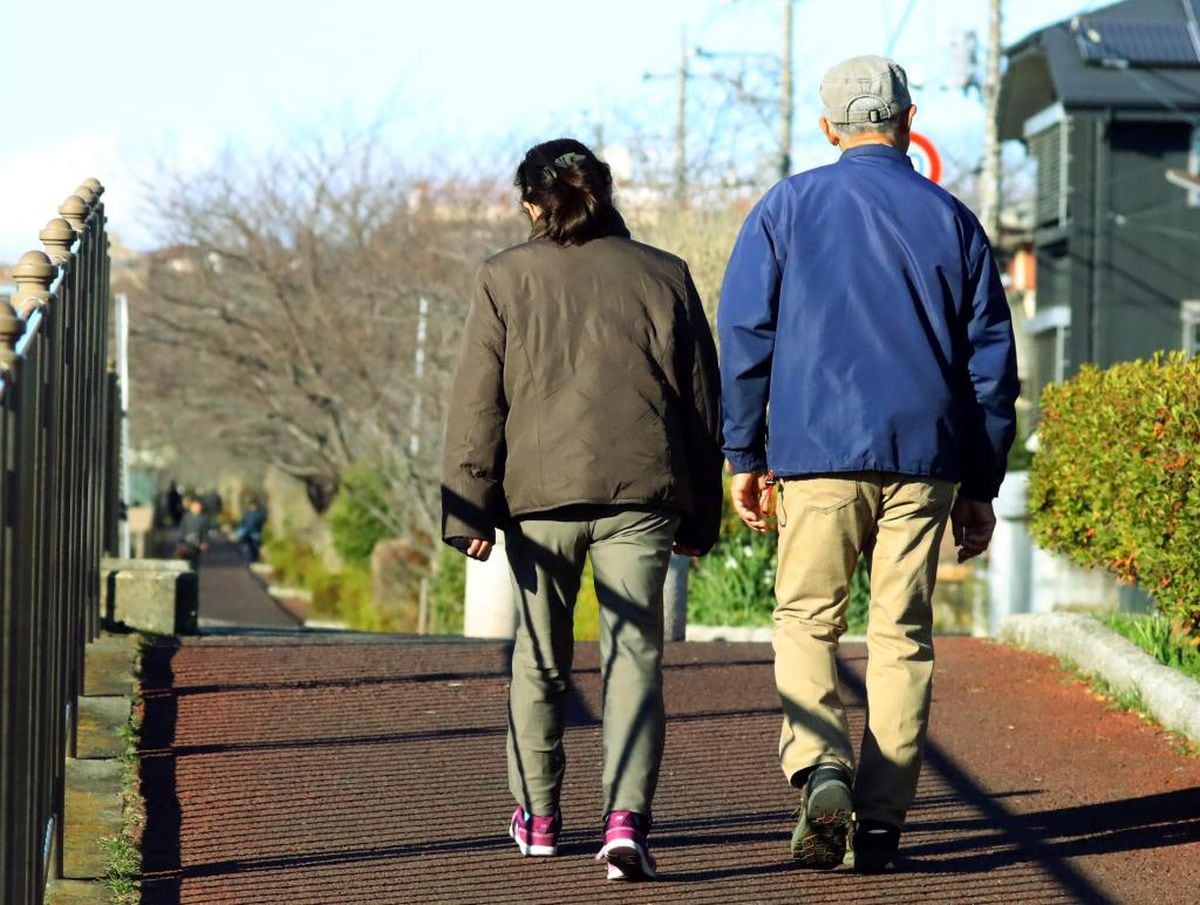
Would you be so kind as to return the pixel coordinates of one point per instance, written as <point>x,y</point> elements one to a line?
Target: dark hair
<point>574,190</point>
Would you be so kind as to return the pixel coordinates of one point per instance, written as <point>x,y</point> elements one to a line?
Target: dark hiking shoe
<point>875,845</point>
<point>819,840</point>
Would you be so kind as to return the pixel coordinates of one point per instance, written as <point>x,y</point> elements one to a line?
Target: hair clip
<point>569,159</point>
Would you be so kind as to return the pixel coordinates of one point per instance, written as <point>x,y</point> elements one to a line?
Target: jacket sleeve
<point>473,456</point>
<point>746,319</point>
<point>699,382</point>
<point>992,385</point>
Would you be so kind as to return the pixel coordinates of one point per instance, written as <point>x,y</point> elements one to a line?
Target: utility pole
<point>786,102</point>
<point>121,328</point>
<point>990,176</point>
<point>681,179</point>
<point>414,440</point>
<point>681,76</point>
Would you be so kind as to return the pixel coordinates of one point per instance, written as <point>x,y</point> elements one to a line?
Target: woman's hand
<point>685,550</point>
<point>479,549</point>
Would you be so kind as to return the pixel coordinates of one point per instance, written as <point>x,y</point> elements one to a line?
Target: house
<point>1108,106</point>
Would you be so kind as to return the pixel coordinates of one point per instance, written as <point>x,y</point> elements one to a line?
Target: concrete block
<point>162,601</point>
<point>98,732</point>
<point>77,892</point>
<point>108,665</point>
<point>111,565</point>
<point>92,811</point>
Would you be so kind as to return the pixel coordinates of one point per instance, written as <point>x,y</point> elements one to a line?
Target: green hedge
<point>1116,483</point>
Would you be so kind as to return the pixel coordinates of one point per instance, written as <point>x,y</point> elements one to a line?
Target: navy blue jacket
<point>862,302</point>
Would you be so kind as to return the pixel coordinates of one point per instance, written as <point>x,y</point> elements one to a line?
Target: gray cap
<point>865,89</point>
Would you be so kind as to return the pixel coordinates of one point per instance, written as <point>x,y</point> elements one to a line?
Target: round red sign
<point>925,157</point>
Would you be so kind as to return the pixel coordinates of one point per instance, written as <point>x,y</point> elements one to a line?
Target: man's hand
<point>747,492</point>
<point>479,549</point>
<point>972,523</point>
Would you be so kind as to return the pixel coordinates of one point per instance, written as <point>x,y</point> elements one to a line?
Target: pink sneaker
<point>537,836</point>
<point>625,850</point>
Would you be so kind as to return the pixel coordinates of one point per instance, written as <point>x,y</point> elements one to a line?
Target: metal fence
<point>57,449</point>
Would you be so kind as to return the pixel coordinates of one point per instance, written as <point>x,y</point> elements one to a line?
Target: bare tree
<point>282,323</point>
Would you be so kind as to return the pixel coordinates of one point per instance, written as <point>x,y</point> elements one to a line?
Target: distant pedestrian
<point>867,368</point>
<point>174,504</point>
<point>194,529</point>
<point>213,505</point>
<point>584,422</point>
<point>250,529</point>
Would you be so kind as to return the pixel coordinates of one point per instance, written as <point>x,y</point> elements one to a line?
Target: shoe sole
<point>532,851</point>
<point>627,861</point>
<point>819,841</point>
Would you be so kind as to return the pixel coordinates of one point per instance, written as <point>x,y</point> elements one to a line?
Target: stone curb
<point>77,892</point>
<point>1170,697</point>
<point>92,811</point>
<point>101,719</point>
<point>109,665</point>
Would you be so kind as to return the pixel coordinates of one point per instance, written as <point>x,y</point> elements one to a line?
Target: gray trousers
<point>630,550</point>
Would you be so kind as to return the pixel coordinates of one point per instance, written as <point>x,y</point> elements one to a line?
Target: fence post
<point>11,328</point>
<point>58,237</point>
<point>14,827</point>
<point>32,275</point>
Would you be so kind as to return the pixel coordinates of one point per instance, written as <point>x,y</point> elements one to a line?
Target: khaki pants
<point>825,522</point>
<point>630,551</point>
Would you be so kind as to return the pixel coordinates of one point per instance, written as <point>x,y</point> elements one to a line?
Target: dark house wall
<point>1153,240</point>
<point>1134,227</point>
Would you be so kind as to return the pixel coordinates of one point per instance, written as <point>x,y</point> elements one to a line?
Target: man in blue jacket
<point>862,303</point>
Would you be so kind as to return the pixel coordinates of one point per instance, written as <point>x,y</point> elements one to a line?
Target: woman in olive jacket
<point>584,419</point>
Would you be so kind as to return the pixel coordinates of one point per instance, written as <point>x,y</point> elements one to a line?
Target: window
<point>1047,136</point>
<point>1189,313</point>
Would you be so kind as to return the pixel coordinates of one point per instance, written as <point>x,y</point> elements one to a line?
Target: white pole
<point>1010,556</point>
<point>675,595</point>
<point>989,213</point>
<point>491,609</point>
<point>414,442</point>
<point>122,331</point>
<point>423,608</point>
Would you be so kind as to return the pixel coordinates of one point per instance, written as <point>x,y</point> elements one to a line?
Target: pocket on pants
<point>821,494</point>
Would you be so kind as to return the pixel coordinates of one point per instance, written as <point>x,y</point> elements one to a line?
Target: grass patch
<point>1157,637</point>
<point>1126,700</point>
<point>124,865</point>
<point>123,852</point>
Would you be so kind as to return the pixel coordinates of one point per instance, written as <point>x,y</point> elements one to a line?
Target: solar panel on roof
<point>1137,43</point>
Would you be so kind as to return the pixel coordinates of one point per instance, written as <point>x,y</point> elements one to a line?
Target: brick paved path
<point>322,769</point>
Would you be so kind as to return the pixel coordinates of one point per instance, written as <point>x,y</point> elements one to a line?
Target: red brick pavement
<point>301,769</point>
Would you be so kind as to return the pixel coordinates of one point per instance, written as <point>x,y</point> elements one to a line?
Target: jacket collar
<point>886,152</point>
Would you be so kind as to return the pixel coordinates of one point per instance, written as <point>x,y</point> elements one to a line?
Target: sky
<point>127,89</point>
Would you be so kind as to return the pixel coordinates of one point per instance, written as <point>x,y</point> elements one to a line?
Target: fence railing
<point>57,515</point>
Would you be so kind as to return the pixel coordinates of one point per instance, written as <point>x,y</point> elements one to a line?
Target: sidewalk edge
<point>1170,697</point>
